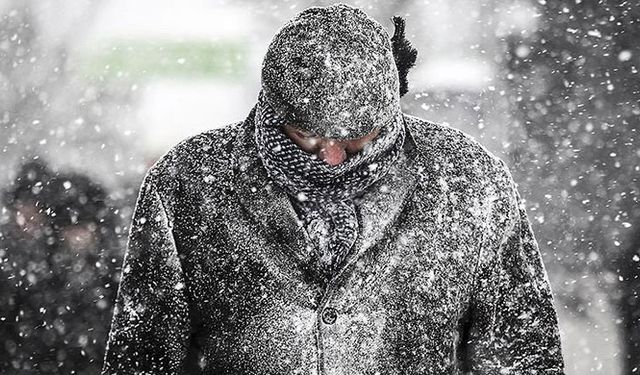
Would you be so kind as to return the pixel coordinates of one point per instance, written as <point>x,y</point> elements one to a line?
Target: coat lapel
<point>381,205</point>
<point>266,203</point>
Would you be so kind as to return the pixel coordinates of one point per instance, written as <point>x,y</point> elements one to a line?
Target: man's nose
<point>332,152</point>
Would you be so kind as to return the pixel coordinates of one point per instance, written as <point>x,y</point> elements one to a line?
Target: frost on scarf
<point>324,194</point>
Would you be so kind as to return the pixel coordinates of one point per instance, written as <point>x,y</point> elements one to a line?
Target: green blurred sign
<point>144,58</point>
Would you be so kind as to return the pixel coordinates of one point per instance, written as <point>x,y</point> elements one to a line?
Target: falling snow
<point>135,211</point>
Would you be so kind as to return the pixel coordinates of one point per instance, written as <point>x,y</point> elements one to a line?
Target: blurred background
<point>93,92</point>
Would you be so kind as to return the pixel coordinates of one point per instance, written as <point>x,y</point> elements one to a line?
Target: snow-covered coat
<point>445,277</point>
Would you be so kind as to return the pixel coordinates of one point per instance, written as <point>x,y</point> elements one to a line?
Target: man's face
<point>332,151</point>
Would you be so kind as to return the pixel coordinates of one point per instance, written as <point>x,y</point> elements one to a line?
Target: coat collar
<point>272,210</point>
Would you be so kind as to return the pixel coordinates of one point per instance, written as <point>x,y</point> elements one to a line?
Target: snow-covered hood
<point>331,71</point>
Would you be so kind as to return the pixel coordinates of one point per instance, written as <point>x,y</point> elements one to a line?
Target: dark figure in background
<point>58,263</point>
<point>26,238</point>
<point>628,303</point>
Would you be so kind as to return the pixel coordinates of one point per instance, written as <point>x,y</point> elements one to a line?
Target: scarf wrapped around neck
<point>324,194</point>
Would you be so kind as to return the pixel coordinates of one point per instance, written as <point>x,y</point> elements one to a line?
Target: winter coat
<point>445,278</point>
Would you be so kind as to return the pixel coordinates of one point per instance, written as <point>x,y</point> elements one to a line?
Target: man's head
<point>336,77</point>
<point>331,72</point>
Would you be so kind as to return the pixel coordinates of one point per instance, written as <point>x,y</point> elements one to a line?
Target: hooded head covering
<point>330,71</point>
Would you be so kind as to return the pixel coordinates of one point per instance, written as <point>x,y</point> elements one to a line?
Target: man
<point>329,233</point>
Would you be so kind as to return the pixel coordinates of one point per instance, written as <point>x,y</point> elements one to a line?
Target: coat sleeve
<point>150,327</point>
<point>513,326</point>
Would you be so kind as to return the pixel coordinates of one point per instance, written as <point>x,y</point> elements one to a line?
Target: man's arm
<point>513,326</point>
<point>150,328</point>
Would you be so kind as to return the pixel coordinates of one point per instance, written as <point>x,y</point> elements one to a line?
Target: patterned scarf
<point>322,193</point>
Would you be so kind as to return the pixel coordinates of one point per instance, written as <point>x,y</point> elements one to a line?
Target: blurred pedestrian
<point>62,286</point>
<point>26,240</point>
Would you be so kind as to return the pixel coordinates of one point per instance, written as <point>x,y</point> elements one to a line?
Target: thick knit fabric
<point>322,193</point>
<point>331,71</point>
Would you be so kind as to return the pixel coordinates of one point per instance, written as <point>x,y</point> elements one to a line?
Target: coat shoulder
<point>203,159</point>
<point>457,155</point>
<point>448,142</point>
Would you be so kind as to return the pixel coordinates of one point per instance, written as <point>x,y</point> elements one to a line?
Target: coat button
<point>329,315</point>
